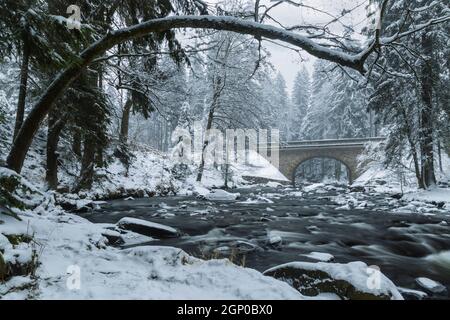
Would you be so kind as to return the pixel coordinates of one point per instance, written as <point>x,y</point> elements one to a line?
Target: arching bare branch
<point>40,110</point>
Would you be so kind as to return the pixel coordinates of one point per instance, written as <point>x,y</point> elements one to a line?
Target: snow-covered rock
<point>354,280</point>
<point>236,247</point>
<point>147,228</point>
<point>275,240</point>
<point>412,294</point>
<point>145,272</point>
<point>221,195</point>
<point>114,237</point>
<point>320,256</point>
<point>431,285</point>
<point>273,184</point>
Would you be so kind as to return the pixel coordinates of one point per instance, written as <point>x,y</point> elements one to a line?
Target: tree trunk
<point>427,113</point>
<point>205,144</point>
<point>217,92</point>
<point>55,126</point>
<point>87,165</point>
<point>417,166</point>
<point>99,158</point>
<point>413,149</point>
<point>76,142</point>
<point>125,121</point>
<point>24,69</point>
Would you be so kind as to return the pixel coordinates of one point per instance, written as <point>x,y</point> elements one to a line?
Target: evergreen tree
<point>301,95</point>
<point>413,62</point>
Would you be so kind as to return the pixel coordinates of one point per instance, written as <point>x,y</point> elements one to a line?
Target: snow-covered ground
<point>395,180</point>
<point>57,255</point>
<point>76,263</point>
<point>74,260</point>
<point>432,195</point>
<point>259,167</point>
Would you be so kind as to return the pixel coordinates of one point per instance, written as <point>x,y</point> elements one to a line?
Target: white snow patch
<point>320,256</point>
<point>221,195</point>
<point>259,167</point>
<point>127,220</point>
<point>436,194</point>
<point>150,272</point>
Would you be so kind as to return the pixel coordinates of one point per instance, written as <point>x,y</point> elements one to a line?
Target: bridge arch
<point>293,154</point>
<point>347,167</point>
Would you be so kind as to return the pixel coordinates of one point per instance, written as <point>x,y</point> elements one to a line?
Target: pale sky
<point>287,61</point>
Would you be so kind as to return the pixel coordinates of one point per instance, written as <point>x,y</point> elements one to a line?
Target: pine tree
<point>414,62</point>
<point>301,95</point>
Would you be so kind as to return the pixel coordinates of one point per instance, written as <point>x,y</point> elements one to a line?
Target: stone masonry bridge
<point>293,154</point>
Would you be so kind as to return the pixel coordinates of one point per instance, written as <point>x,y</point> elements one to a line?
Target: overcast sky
<point>287,61</point>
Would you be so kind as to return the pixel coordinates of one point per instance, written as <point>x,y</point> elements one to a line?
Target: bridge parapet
<point>322,143</point>
<point>294,153</point>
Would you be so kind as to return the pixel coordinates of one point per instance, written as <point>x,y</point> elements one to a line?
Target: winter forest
<point>224,149</point>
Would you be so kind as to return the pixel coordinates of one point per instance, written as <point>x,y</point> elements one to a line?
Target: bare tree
<point>352,59</point>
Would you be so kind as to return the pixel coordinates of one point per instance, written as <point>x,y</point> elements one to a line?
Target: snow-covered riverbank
<point>53,254</point>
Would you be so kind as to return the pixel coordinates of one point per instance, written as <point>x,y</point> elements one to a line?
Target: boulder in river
<point>352,281</point>
<point>221,195</point>
<point>320,256</point>
<point>147,228</point>
<point>411,294</point>
<point>275,241</point>
<point>114,237</point>
<point>431,286</point>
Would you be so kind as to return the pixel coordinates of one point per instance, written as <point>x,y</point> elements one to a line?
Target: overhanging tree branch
<point>64,79</point>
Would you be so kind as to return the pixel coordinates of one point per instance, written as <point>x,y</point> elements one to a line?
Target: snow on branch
<point>223,23</point>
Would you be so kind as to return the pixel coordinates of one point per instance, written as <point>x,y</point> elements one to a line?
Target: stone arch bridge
<point>293,154</point>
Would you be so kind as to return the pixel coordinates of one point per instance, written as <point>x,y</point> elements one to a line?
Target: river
<point>248,231</point>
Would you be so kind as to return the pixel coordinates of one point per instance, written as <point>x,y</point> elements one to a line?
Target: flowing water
<point>403,245</point>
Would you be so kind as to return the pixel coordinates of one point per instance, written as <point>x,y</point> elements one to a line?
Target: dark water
<point>401,244</point>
